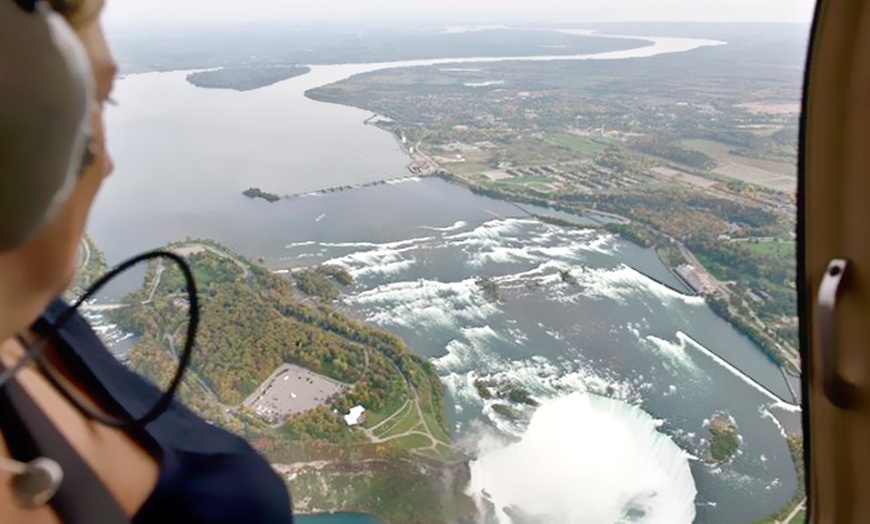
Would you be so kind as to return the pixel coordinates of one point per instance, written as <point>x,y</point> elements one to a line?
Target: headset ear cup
<point>79,68</point>
<point>46,92</point>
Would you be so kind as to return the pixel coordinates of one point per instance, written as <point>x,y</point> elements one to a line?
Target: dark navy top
<point>207,475</point>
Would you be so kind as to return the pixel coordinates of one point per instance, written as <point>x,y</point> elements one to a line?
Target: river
<point>651,363</point>
<point>337,518</point>
<point>184,154</point>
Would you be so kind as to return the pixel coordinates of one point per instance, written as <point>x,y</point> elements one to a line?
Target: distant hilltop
<point>245,78</point>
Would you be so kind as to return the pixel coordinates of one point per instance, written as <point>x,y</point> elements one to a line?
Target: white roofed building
<point>354,417</point>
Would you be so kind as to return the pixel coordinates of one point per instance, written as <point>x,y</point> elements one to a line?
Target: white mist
<point>589,460</point>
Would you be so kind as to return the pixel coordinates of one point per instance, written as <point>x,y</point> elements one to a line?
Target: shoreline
<point>744,326</point>
<point>778,355</point>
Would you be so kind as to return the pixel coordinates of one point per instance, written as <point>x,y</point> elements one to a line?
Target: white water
<point>490,341</point>
<point>591,460</point>
<point>426,303</point>
<point>778,402</point>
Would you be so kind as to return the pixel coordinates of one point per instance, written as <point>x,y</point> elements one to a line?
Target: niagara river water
<point>650,364</point>
<point>627,367</point>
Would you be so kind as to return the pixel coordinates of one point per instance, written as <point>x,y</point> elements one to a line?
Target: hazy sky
<point>127,11</point>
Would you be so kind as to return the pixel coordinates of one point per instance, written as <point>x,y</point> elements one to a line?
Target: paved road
<point>795,511</point>
<point>160,269</point>
<point>102,307</point>
<point>371,430</point>
<point>420,428</point>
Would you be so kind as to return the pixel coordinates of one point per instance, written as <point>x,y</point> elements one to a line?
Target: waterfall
<point>590,460</point>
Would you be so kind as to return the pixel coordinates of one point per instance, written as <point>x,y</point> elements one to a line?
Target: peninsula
<point>351,418</point>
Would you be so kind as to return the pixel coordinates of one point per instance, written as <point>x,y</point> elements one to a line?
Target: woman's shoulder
<point>112,383</point>
<point>207,474</point>
<point>232,489</point>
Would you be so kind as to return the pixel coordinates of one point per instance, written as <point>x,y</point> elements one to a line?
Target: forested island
<point>398,464</point>
<point>245,78</point>
<point>256,192</point>
<point>512,398</point>
<point>725,441</point>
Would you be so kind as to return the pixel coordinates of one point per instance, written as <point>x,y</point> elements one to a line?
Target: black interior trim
<point>804,311</point>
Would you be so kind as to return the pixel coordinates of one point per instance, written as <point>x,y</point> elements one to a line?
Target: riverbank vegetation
<point>320,282</point>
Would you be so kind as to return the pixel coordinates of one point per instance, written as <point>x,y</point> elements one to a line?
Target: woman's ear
<point>41,267</point>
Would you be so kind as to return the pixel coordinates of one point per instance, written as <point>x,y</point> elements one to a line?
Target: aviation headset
<point>46,89</point>
<point>46,92</point>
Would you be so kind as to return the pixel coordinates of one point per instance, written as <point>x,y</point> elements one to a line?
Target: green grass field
<point>413,442</point>
<point>722,153</point>
<point>774,249</point>
<point>398,396</point>
<point>409,420</point>
<point>406,422</point>
<point>524,180</point>
<point>393,421</point>
<point>466,168</point>
<point>435,429</point>
<point>446,452</point>
<point>576,143</point>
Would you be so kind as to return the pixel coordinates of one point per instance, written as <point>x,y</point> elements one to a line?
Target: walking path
<point>420,428</point>
<point>795,511</point>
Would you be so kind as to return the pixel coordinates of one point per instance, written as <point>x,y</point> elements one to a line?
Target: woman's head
<point>41,260</point>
